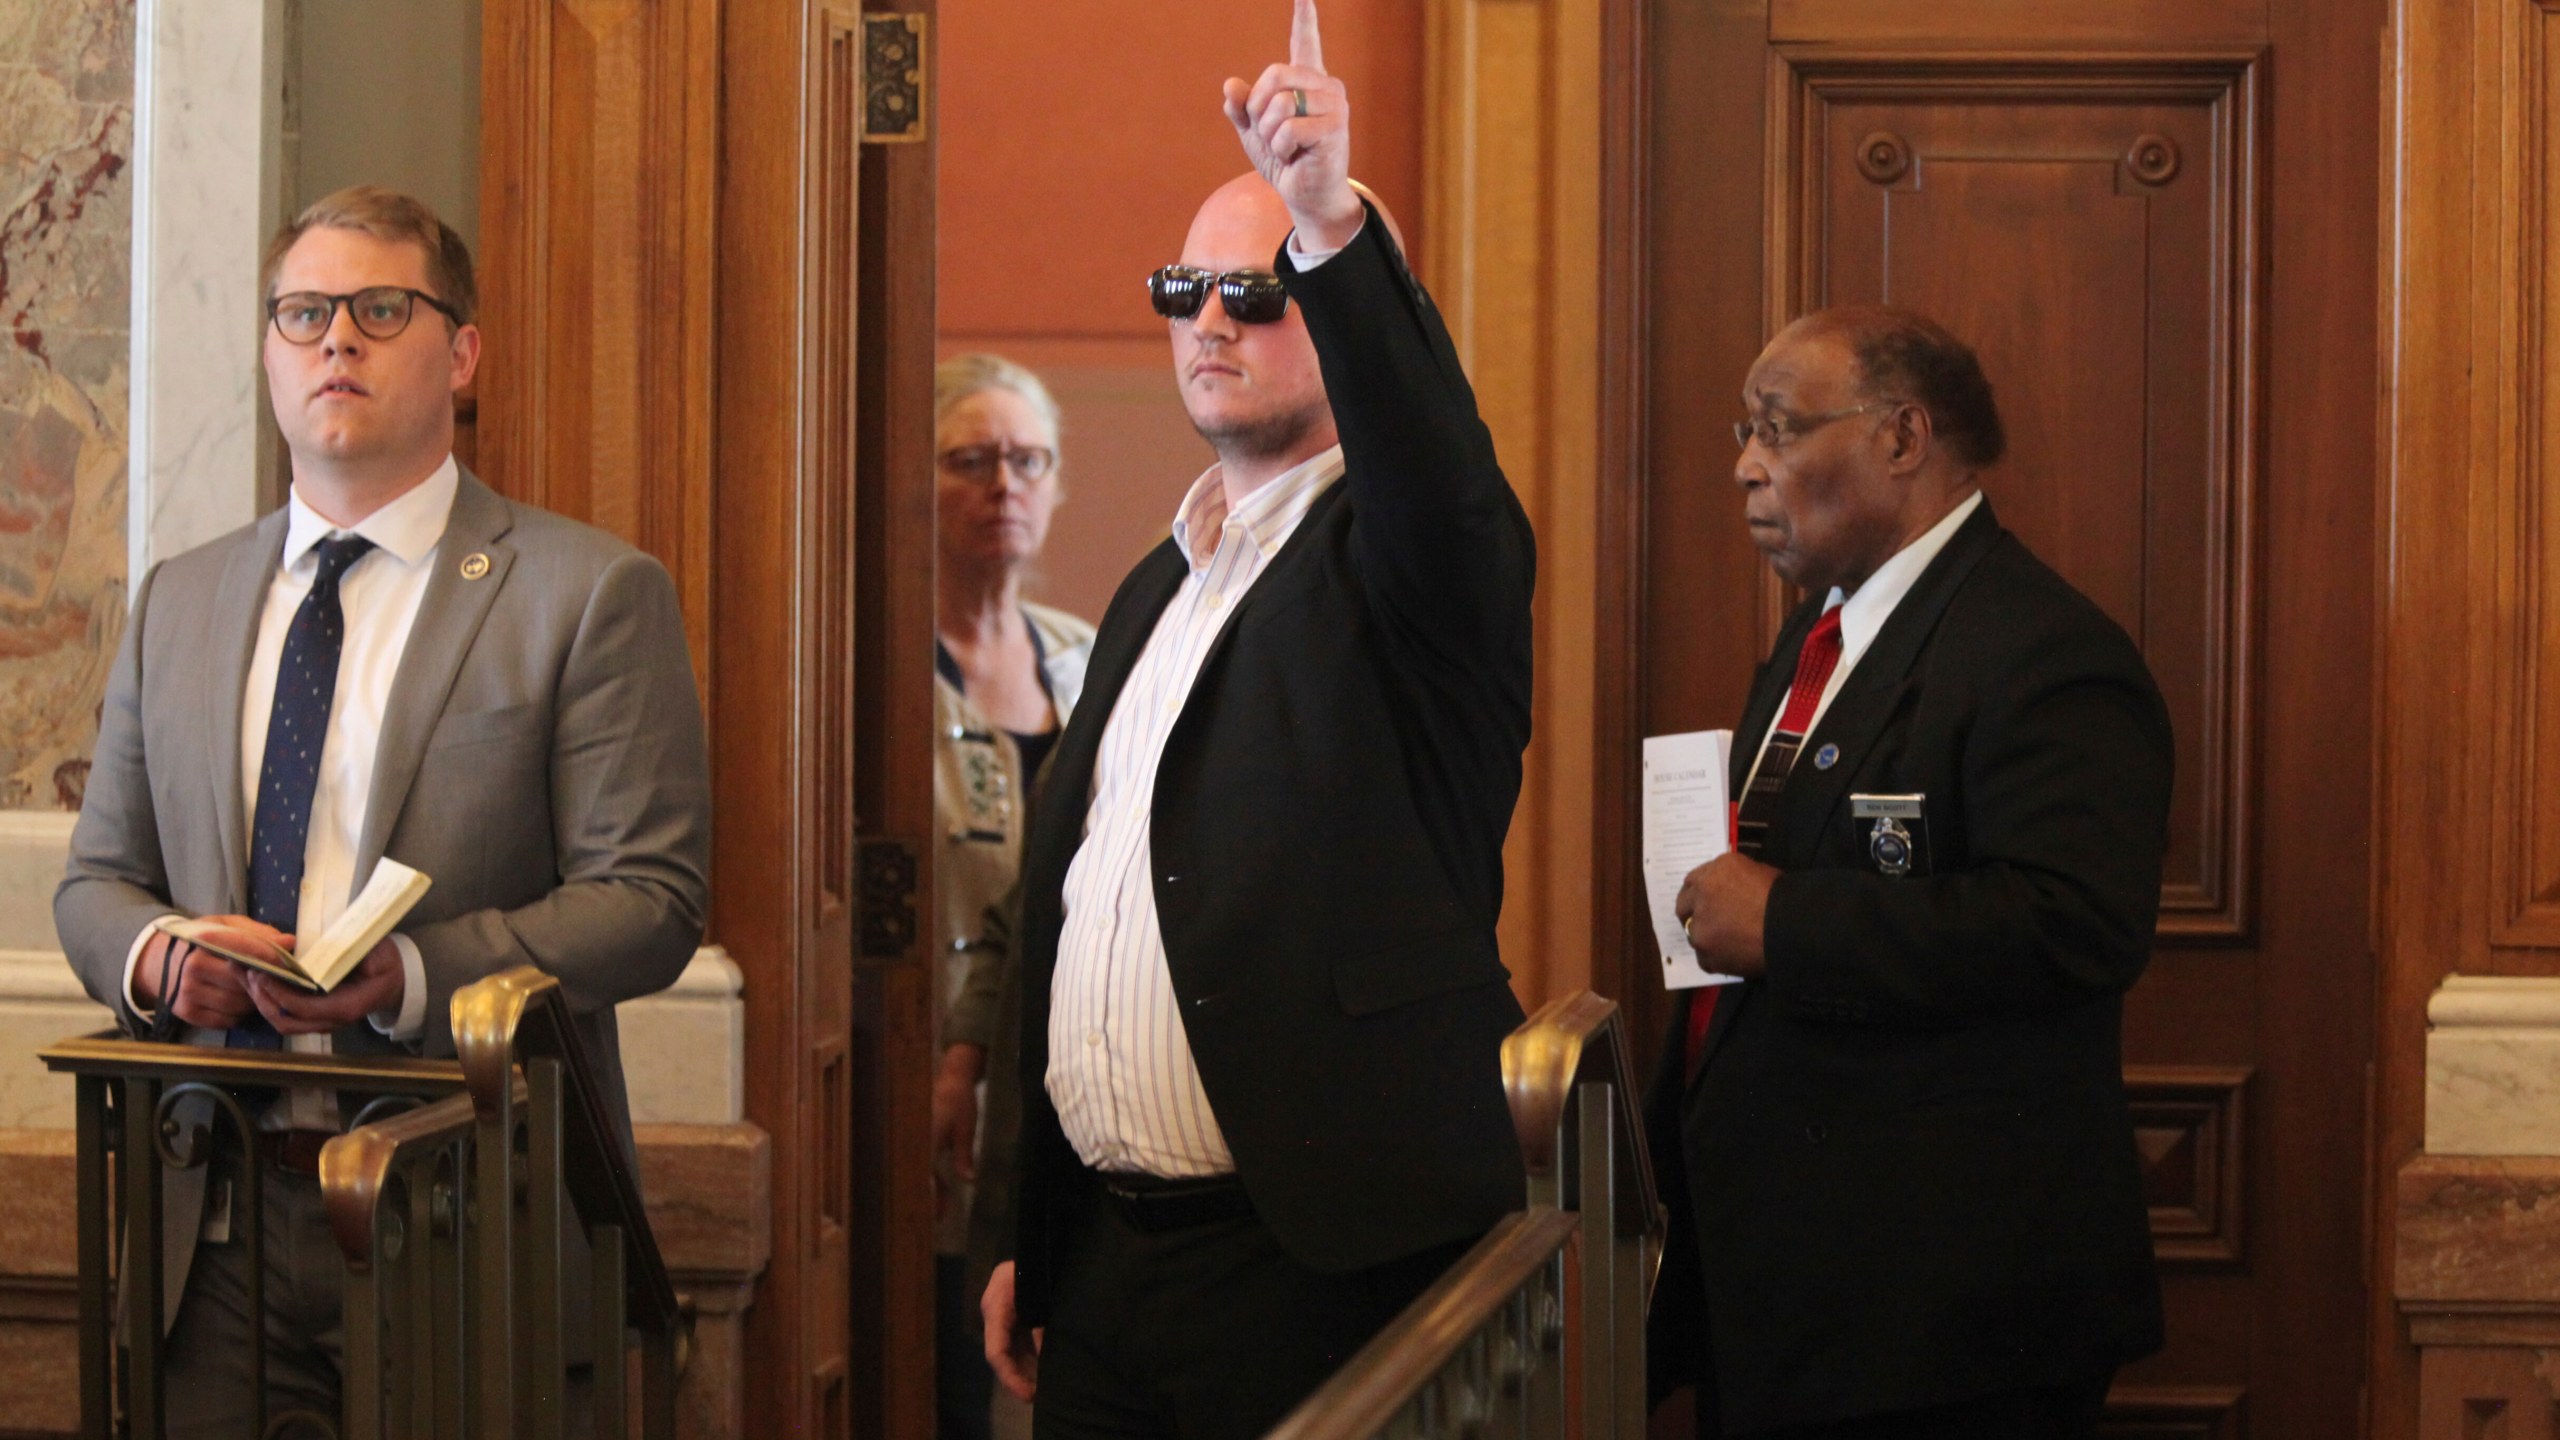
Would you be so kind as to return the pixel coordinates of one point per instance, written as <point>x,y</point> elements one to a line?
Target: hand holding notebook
<point>318,964</point>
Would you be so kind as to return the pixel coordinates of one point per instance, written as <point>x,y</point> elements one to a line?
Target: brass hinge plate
<point>893,79</point>
<point>886,883</point>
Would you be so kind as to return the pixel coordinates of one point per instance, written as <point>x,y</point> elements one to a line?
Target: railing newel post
<point>96,1202</point>
<point>609,1342</point>
<point>143,1283</point>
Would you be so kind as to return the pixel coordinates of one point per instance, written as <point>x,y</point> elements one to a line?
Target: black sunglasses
<point>380,311</point>
<point>1251,297</point>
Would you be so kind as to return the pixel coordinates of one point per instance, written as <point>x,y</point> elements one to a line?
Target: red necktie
<point>1819,656</point>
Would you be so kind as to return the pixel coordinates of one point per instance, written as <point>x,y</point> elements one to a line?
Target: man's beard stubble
<point>1261,437</point>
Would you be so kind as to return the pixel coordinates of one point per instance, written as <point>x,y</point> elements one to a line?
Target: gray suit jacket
<point>541,759</point>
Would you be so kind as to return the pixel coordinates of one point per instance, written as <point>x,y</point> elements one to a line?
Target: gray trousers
<point>211,1393</point>
<point>205,1359</point>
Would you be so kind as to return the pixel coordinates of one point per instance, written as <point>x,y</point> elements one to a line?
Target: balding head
<point>1254,392</point>
<point>1247,212</point>
<point>1904,355</point>
<point>1867,426</point>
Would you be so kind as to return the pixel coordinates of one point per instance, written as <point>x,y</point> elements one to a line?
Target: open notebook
<point>319,964</point>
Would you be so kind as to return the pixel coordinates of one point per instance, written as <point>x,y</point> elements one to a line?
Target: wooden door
<point>2166,261</point>
<point>709,299</point>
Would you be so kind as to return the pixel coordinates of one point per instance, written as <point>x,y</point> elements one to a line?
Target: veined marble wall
<point>66,220</point>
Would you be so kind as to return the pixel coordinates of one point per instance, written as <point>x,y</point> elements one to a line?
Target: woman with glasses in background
<point>1007,673</point>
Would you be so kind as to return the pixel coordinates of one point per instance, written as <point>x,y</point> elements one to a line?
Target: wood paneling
<point>2189,1124</point>
<point>2468,869</point>
<point>1512,228</point>
<point>2216,497</point>
<point>2089,220</point>
<point>892,728</point>
<point>2488,1394</point>
<point>2163,1412</point>
<point>646,158</point>
<point>599,125</point>
<point>2525,475</point>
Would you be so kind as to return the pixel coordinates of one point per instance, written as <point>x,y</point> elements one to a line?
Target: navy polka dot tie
<point>297,725</point>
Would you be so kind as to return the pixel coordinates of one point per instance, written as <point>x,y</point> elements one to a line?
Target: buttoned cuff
<point>412,1019</point>
<point>1306,259</point>
<point>133,961</point>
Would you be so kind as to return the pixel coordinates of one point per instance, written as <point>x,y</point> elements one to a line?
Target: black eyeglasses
<point>1776,431</point>
<point>380,311</point>
<point>1251,297</point>
<point>978,462</point>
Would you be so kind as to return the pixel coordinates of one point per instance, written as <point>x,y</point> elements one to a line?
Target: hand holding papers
<point>1687,823</point>
<point>318,965</point>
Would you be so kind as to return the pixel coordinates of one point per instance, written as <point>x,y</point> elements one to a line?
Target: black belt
<point>1156,1205</point>
<point>297,1152</point>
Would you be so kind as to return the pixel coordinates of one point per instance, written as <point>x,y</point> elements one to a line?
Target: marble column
<point>209,178</point>
<point>2477,1266</point>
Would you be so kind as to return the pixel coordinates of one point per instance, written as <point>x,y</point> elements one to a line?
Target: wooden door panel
<point>2166,266</point>
<point>2526,870</point>
<point>599,126</point>
<point>2086,221</point>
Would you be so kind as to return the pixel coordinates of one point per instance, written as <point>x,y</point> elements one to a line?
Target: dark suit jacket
<point>1329,817</point>
<point>1905,1174</point>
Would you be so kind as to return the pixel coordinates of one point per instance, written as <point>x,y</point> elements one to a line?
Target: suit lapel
<point>449,619</point>
<point>1290,572</point>
<point>1872,694</point>
<point>238,603</point>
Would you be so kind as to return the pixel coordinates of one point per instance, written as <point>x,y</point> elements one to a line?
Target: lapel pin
<point>1826,757</point>
<point>474,565</point>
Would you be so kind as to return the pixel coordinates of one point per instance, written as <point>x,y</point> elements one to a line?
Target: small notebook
<point>319,964</point>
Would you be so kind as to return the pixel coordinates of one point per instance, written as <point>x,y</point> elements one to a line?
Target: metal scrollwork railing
<point>143,1113</point>
<point>1481,1353</point>
<point>459,1220</point>
<point>484,1207</point>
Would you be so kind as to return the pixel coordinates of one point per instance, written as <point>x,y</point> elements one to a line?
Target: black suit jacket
<point>1329,816</point>
<point>1905,1174</point>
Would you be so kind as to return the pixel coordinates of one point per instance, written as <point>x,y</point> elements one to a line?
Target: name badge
<point>1897,837</point>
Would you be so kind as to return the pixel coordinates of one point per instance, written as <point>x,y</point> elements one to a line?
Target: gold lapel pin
<point>474,565</point>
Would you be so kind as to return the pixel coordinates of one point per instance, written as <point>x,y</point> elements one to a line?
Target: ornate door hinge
<point>893,79</point>
<point>885,879</point>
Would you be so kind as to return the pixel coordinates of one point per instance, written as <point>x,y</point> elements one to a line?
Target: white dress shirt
<point>379,596</point>
<point>1863,614</point>
<point>1120,1070</point>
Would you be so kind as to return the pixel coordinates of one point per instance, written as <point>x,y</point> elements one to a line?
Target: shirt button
<point>1093,1037</point>
<point>1216,599</point>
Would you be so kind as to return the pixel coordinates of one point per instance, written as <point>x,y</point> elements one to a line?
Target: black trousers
<point>2054,1412</point>
<point>1200,1333</point>
<point>963,1384</point>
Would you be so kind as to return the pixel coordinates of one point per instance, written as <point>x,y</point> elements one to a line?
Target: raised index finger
<point>1306,46</point>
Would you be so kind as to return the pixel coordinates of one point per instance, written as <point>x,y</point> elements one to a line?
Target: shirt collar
<point>408,527</point>
<point>1269,515</point>
<point>1863,614</point>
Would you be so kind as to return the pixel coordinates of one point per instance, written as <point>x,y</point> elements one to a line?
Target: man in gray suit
<point>400,663</point>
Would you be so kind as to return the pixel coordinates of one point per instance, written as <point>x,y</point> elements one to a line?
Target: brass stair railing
<point>1481,1353</point>
<point>460,1300</point>
<point>143,1109</point>
<point>449,1195</point>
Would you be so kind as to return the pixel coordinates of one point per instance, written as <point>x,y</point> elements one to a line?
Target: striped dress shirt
<point>1120,1069</point>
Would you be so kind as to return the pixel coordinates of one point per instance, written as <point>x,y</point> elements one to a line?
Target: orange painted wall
<point>1076,141</point>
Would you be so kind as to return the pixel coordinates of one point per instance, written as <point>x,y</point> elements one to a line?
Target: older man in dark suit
<point>1904,1186</point>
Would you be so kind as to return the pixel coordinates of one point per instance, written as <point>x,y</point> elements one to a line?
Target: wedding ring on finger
<point>1302,103</point>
